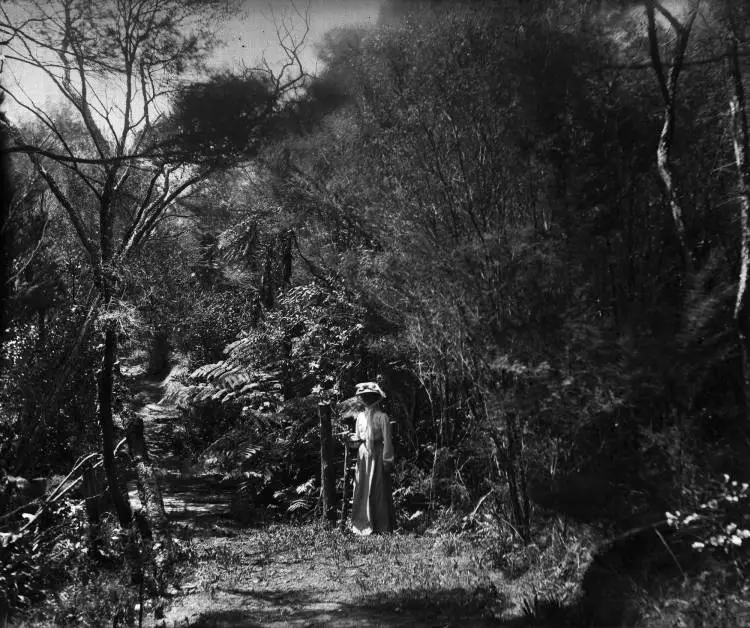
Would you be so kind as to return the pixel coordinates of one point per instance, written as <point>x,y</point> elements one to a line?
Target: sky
<point>248,36</point>
<point>252,34</point>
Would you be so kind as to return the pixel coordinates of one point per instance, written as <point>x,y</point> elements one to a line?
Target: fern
<point>230,451</point>
<point>309,343</point>
<point>305,488</point>
<point>298,504</point>
<point>250,450</point>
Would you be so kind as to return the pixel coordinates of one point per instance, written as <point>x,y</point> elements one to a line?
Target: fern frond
<point>298,504</point>
<point>203,371</point>
<point>250,450</point>
<point>306,487</point>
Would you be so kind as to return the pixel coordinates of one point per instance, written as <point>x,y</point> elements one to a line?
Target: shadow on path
<point>296,607</point>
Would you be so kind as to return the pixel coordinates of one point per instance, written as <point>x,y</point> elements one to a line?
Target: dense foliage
<point>474,204</point>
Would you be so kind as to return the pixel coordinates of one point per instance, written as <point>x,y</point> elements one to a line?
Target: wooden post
<point>344,501</point>
<point>94,484</point>
<point>327,478</point>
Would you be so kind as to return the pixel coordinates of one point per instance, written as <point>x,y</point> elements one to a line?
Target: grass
<point>308,565</point>
<point>305,574</point>
<point>441,577</point>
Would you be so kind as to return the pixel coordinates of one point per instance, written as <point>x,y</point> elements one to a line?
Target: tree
<point>126,182</point>
<point>429,192</point>
<point>735,34</point>
<point>6,262</point>
<point>668,83</point>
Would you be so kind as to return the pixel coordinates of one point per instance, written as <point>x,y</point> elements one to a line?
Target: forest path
<point>304,575</point>
<point>189,497</point>
<point>286,575</point>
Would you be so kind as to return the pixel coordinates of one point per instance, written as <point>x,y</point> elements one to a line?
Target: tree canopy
<point>530,222</point>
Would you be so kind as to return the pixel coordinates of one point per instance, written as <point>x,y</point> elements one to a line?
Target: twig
<point>479,504</point>
<point>511,526</point>
<point>671,553</point>
<point>57,492</point>
<point>8,515</point>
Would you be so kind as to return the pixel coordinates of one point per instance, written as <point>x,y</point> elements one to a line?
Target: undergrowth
<point>56,579</point>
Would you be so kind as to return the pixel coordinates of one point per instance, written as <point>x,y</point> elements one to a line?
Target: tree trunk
<point>105,386</point>
<point>668,86</point>
<point>516,474</point>
<point>327,477</point>
<point>6,261</point>
<point>742,159</point>
<point>149,491</point>
<point>670,187</point>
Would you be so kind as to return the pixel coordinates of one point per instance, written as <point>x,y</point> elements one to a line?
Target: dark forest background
<point>527,220</point>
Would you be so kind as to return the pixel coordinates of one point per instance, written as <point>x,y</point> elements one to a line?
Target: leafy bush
<point>31,373</point>
<point>720,524</point>
<point>35,557</point>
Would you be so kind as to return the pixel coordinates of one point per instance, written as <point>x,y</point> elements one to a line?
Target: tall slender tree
<point>668,84</point>
<point>113,64</point>
<point>732,20</point>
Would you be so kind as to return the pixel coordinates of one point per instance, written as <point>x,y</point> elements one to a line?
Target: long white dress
<point>372,506</point>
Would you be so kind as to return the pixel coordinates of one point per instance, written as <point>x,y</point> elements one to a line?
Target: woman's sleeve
<point>387,440</point>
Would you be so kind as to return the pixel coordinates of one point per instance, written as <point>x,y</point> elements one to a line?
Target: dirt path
<point>188,496</point>
<point>304,575</point>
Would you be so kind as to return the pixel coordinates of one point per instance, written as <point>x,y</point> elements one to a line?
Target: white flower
<point>731,528</point>
<point>698,545</point>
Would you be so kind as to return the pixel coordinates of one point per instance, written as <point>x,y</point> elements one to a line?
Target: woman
<point>372,506</point>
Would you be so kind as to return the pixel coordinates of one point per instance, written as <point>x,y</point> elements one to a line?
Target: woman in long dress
<point>372,506</point>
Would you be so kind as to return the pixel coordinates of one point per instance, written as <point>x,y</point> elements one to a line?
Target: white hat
<point>369,387</point>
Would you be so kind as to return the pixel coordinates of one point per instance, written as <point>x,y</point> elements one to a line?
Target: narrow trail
<point>188,497</point>
<point>300,575</point>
